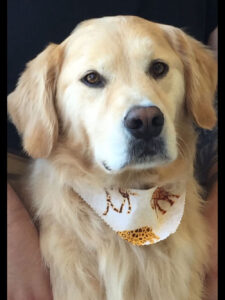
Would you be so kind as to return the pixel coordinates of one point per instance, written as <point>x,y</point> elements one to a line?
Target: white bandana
<point>141,217</point>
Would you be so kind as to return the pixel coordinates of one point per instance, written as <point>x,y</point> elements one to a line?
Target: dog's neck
<point>73,168</point>
<point>139,180</point>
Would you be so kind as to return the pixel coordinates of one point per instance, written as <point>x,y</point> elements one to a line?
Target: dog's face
<point>122,87</point>
<point>125,86</point>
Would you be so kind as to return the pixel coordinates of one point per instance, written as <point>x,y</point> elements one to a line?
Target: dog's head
<point>122,88</point>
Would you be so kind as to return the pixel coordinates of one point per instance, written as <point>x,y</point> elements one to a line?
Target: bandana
<point>141,217</point>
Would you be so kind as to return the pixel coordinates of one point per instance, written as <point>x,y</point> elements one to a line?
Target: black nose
<point>144,122</point>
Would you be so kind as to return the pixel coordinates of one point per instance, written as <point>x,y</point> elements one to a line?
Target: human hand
<point>27,277</point>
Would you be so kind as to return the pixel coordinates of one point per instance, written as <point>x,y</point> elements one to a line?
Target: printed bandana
<point>141,217</point>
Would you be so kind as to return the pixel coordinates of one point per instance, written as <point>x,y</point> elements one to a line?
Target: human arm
<point>27,277</point>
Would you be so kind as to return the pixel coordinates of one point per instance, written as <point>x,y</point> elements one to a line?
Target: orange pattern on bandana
<point>161,195</point>
<point>139,236</point>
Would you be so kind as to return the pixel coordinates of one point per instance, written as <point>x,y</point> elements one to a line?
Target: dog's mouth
<point>142,154</point>
<point>149,152</point>
<point>142,150</point>
<point>106,166</point>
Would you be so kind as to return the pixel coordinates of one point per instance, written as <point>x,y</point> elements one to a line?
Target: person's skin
<point>213,41</point>
<point>28,278</point>
<point>211,213</point>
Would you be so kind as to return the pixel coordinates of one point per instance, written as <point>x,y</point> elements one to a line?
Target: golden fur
<point>68,126</point>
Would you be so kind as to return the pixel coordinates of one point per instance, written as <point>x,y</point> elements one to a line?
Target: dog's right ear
<point>200,70</point>
<point>31,104</point>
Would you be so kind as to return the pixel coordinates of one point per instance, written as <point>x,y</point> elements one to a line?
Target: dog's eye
<point>93,79</point>
<point>158,69</point>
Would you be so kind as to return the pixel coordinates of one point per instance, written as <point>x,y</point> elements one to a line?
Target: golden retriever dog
<point>115,104</point>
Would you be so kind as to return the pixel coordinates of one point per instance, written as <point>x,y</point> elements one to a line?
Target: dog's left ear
<point>200,69</point>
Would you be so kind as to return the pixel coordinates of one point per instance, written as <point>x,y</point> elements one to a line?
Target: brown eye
<point>93,79</point>
<point>158,69</point>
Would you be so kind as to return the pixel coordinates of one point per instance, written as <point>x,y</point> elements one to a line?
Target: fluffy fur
<point>71,129</point>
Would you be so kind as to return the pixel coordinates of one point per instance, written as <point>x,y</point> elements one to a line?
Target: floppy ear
<point>31,104</point>
<point>200,69</point>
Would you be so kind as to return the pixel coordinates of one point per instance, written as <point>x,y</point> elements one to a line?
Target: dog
<point>114,105</point>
